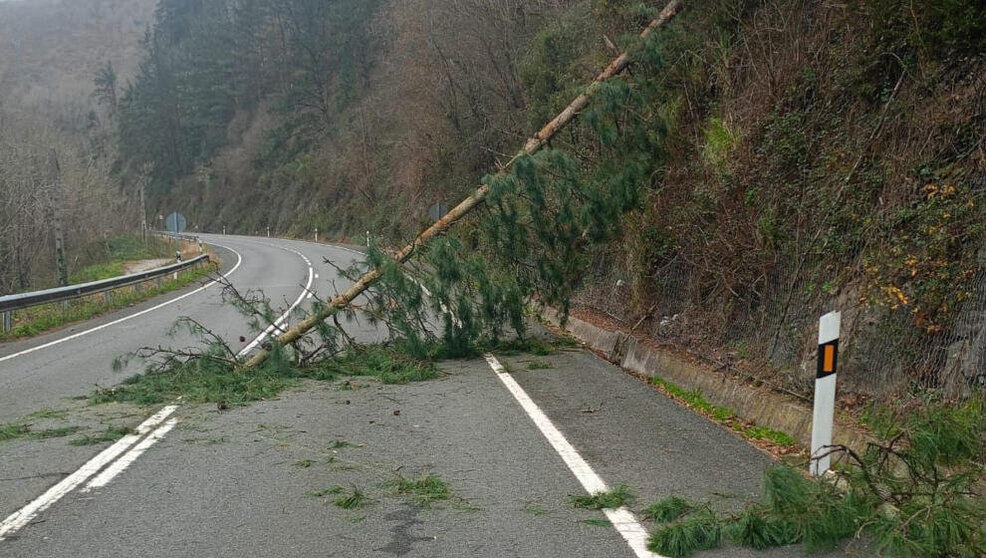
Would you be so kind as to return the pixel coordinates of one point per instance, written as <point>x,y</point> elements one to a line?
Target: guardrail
<point>21,301</point>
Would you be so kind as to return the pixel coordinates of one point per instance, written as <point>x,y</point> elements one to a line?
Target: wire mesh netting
<point>915,329</point>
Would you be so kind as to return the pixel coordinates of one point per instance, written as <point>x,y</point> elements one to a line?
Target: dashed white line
<point>26,514</point>
<point>622,519</point>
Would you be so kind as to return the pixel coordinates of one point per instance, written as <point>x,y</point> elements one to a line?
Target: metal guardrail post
<point>7,325</point>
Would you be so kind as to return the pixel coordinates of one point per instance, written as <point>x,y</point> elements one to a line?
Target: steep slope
<point>777,160</point>
<point>50,53</point>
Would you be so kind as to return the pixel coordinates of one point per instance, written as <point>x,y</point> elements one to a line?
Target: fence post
<point>824,413</point>
<point>7,326</point>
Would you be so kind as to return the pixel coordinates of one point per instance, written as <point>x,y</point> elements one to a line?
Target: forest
<point>757,165</point>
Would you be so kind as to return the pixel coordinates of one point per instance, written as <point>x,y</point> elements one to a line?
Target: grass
<point>111,434</point>
<point>724,415</point>
<point>97,272</point>
<point>13,431</point>
<point>424,490</point>
<point>539,365</point>
<point>47,413</point>
<point>321,493</point>
<point>535,510</point>
<point>911,495</point>
<point>596,522</point>
<point>207,380</point>
<point>39,319</point>
<point>303,463</point>
<point>20,430</point>
<point>616,498</point>
<point>352,500</point>
<point>54,432</point>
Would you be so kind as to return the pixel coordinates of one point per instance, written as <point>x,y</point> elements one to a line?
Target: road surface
<point>514,438</point>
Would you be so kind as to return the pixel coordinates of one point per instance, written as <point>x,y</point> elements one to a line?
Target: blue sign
<point>176,223</point>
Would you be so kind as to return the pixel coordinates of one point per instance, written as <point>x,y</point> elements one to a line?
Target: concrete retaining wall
<point>756,404</point>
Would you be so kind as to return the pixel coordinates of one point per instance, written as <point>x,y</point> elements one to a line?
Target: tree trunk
<point>532,146</point>
<point>56,218</point>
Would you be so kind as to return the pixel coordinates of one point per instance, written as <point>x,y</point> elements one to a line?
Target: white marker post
<point>316,235</point>
<point>821,425</point>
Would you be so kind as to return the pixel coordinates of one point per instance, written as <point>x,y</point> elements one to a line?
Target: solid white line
<point>239,260</point>
<point>26,514</point>
<point>622,519</point>
<point>128,458</point>
<point>277,323</point>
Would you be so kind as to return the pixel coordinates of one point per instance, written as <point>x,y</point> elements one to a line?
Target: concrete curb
<point>757,404</point>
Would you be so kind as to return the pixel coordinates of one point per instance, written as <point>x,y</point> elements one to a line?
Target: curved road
<point>42,371</point>
<point>514,442</point>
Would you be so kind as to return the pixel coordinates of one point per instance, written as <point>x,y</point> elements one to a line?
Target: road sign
<point>437,211</point>
<point>824,414</point>
<point>176,223</point>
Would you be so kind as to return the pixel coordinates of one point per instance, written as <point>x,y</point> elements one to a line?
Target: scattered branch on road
<point>911,494</point>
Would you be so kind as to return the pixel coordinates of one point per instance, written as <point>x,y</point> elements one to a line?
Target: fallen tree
<point>533,145</point>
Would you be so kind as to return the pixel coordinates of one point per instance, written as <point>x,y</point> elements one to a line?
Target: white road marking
<point>622,519</point>
<point>239,260</point>
<point>112,456</point>
<point>277,323</point>
<point>26,514</point>
<point>128,458</point>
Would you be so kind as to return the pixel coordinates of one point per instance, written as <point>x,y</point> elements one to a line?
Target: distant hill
<point>59,44</point>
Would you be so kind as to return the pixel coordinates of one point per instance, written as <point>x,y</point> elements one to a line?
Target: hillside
<point>50,54</point>
<point>772,161</point>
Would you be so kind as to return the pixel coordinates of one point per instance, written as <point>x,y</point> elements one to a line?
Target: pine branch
<point>533,145</point>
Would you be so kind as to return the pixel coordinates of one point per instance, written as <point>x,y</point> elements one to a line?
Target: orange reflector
<point>828,360</point>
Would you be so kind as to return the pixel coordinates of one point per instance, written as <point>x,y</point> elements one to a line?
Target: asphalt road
<point>259,480</point>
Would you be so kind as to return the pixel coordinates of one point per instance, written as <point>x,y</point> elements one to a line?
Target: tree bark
<point>56,218</point>
<point>532,146</point>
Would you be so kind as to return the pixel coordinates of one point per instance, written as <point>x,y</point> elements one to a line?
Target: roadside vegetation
<point>39,319</point>
<point>615,498</point>
<point>915,493</point>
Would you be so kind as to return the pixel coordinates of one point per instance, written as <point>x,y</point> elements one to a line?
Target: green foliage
<point>719,143</point>
<point>615,498</point>
<point>204,62</point>
<point>39,319</point>
<point>111,434</point>
<point>757,528</point>
<point>214,376</point>
<point>354,499</point>
<point>387,364</point>
<point>667,510</point>
<point>21,430</point>
<point>424,490</point>
<point>321,493</point>
<point>699,530</point>
<point>911,496</point>
<point>13,431</point>
<point>938,28</point>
